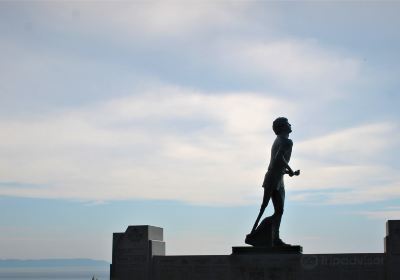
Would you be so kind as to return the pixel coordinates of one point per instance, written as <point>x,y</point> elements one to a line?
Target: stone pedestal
<point>296,249</point>
<point>392,249</point>
<point>133,252</point>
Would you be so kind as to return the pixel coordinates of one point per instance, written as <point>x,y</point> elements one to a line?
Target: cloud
<point>372,193</point>
<point>348,166</point>
<point>347,185</point>
<point>357,144</point>
<point>150,19</point>
<point>217,38</point>
<point>182,144</point>
<point>388,213</point>
<point>143,146</point>
<point>299,65</point>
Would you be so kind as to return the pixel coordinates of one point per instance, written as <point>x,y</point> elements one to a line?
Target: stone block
<point>139,234</point>
<point>392,240</point>
<point>157,248</point>
<point>133,251</point>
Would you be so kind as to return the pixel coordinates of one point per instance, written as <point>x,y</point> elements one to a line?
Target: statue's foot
<point>249,239</point>
<point>279,243</point>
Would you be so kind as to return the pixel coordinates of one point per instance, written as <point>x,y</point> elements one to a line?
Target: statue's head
<point>281,125</point>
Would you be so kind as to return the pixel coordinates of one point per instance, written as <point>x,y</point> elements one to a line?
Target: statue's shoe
<point>279,243</point>
<point>250,239</point>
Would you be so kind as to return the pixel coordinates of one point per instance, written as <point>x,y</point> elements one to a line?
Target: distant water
<point>55,273</point>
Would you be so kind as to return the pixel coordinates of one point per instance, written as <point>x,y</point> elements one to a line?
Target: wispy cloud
<point>142,147</point>
<point>353,145</point>
<point>302,65</point>
<point>387,213</point>
<point>150,20</point>
<point>182,144</point>
<point>349,166</point>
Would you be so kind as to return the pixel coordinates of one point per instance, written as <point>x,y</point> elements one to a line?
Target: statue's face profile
<point>287,127</point>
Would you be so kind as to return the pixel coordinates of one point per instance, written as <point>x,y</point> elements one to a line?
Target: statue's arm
<point>289,170</point>
<point>280,159</point>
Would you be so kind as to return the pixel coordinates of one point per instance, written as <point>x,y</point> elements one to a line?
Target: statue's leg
<point>264,204</point>
<point>278,200</point>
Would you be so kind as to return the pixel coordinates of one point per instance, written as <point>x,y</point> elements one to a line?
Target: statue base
<point>292,249</point>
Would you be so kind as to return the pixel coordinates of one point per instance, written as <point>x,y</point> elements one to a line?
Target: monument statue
<point>267,233</point>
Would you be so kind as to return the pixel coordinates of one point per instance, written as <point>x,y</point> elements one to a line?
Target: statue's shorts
<point>274,189</point>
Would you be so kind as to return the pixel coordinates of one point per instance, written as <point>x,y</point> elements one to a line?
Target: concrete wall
<point>271,266</point>
<point>142,258</point>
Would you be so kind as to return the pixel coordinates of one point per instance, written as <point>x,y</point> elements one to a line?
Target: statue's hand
<point>290,172</point>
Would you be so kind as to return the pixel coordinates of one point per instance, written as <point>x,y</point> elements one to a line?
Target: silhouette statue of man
<point>274,188</point>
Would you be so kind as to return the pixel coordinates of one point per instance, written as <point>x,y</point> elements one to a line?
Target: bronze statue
<point>267,233</point>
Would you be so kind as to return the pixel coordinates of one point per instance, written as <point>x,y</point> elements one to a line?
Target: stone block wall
<point>139,254</point>
<point>133,252</point>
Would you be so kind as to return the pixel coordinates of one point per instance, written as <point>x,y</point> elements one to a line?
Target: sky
<point>160,112</point>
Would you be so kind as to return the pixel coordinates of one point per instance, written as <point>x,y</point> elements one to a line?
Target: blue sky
<point>160,112</point>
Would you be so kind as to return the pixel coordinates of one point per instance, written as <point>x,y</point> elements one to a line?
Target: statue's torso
<point>280,146</point>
